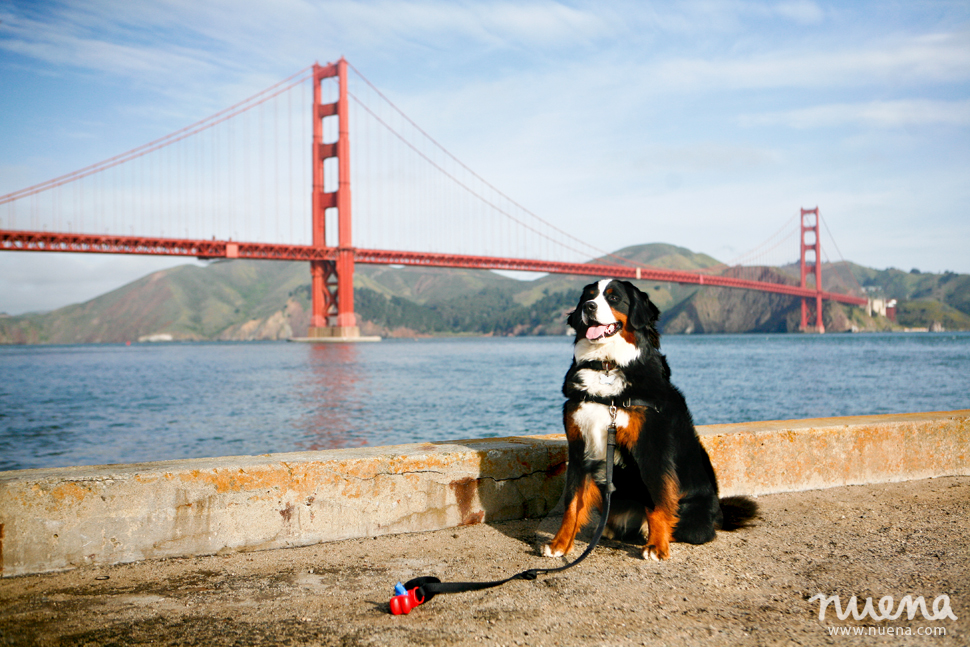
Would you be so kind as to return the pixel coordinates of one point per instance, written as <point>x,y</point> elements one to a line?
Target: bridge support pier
<point>325,289</point>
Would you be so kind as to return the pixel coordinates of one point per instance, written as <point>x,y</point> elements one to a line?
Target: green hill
<point>665,295</point>
<point>463,301</point>
<point>949,288</point>
<point>247,300</point>
<point>186,302</point>
<point>924,299</point>
<point>428,284</point>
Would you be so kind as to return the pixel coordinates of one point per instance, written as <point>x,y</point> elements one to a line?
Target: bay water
<point>95,404</point>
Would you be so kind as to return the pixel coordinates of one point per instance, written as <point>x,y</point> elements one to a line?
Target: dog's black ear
<point>643,312</point>
<point>575,319</point>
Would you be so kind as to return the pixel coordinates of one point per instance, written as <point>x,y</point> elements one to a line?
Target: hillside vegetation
<point>944,295</point>
<point>248,300</point>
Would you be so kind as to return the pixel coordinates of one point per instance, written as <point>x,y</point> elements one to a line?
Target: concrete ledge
<point>62,518</point>
<point>816,453</point>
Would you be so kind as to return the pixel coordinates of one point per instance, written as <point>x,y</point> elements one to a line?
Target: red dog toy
<point>404,600</point>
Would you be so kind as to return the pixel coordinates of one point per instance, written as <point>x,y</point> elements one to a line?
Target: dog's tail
<point>739,512</point>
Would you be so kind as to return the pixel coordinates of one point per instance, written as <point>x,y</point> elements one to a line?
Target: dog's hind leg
<point>578,509</point>
<point>699,516</point>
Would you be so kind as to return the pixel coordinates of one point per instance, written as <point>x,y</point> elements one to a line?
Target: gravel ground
<point>750,587</point>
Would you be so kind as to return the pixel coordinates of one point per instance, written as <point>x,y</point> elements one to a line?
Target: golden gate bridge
<point>254,172</point>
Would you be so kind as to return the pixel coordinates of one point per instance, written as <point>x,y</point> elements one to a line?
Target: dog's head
<point>611,307</point>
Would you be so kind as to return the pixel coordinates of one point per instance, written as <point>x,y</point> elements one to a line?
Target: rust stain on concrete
<point>352,490</point>
<point>267,478</point>
<point>287,512</point>
<point>193,518</point>
<point>69,490</point>
<point>465,490</point>
<point>777,456</point>
<point>557,469</point>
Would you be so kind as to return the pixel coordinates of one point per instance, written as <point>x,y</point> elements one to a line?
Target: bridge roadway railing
<point>13,240</point>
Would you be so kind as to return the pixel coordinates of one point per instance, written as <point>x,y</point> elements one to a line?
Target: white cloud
<point>873,114</point>
<point>802,12</point>
<point>504,23</point>
<point>188,44</point>
<point>131,39</point>
<point>706,156</point>
<point>81,44</point>
<point>938,58</point>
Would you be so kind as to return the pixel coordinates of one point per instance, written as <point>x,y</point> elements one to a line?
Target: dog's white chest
<point>602,384</point>
<point>593,420</point>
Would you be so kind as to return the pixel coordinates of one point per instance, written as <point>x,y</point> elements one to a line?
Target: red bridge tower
<point>332,282</point>
<point>810,225</point>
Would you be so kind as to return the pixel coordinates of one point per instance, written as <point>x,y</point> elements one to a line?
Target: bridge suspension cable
<point>575,244</point>
<point>244,174</point>
<point>216,178</point>
<point>161,142</point>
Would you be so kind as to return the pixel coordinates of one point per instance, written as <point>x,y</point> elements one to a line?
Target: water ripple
<point>97,404</point>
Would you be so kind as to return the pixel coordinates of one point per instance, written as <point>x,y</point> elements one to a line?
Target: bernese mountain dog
<point>664,485</point>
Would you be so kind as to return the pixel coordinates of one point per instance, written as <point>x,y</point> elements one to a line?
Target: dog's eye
<point>612,297</point>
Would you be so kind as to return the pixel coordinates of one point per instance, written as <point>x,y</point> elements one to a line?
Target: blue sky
<point>702,124</point>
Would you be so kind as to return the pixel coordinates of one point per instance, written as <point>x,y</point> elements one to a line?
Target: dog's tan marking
<point>625,331</point>
<point>573,431</point>
<point>628,434</point>
<point>576,516</point>
<point>662,520</point>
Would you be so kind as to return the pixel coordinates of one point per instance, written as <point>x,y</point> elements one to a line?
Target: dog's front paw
<point>656,553</point>
<point>548,551</point>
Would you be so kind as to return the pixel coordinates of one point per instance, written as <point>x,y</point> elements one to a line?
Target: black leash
<point>422,589</point>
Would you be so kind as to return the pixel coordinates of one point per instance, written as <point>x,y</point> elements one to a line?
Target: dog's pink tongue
<point>595,332</point>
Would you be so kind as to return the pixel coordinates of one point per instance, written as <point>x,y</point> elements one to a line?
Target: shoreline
<point>471,335</point>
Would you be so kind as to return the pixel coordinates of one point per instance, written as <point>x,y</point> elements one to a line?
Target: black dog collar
<point>628,403</point>
<point>597,365</point>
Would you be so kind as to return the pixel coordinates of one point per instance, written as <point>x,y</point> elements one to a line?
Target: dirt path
<point>749,587</point>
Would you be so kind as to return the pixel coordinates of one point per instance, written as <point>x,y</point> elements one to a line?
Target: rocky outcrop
<point>279,325</point>
<point>728,310</point>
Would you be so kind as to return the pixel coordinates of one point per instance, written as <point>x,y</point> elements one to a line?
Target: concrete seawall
<point>55,519</point>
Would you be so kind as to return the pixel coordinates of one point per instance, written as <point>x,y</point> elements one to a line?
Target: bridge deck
<point>13,240</point>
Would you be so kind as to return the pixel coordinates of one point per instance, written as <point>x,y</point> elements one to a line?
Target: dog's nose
<point>589,307</point>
